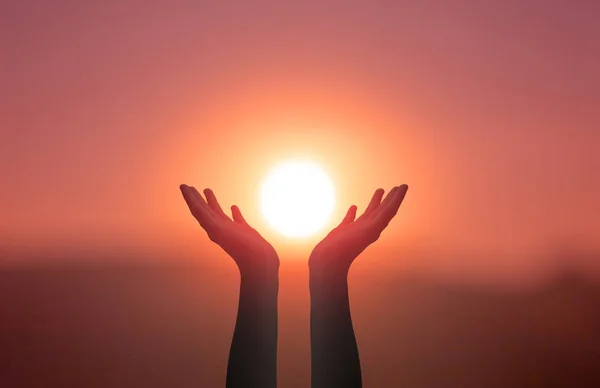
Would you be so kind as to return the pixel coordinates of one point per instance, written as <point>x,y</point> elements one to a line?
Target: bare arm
<point>253,354</point>
<point>335,359</point>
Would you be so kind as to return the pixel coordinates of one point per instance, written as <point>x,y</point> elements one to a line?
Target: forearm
<point>335,359</point>
<point>253,354</point>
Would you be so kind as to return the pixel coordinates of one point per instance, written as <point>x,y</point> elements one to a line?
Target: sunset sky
<point>488,110</point>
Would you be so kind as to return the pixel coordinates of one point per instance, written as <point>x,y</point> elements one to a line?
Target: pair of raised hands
<point>334,353</point>
<point>252,252</point>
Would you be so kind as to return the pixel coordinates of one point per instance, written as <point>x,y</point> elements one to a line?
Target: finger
<point>236,213</point>
<point>374,204</point>
<point>350,215</point>
<point>196,204</point>
<point>389,207</point>
<point>386,201</point>
<point>211,199</point>
<point>201,202</point>
<point>198,198</point>
<point>188,195</point>
<point>197,195</point>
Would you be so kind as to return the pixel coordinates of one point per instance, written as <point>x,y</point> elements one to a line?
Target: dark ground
<point>157,326</point>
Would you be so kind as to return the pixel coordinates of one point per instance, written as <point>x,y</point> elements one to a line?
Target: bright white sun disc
<point>297,199</point>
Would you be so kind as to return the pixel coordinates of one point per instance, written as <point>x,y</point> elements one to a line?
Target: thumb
<point>237,215</point>
<point>350,215</point>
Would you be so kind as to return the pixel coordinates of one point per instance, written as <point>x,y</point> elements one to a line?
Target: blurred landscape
<point>487,109</point>
<point>159,325</point>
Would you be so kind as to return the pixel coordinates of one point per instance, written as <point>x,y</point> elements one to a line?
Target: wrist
<point>328,268</point>
<point>262,272</point>
<point>327,277</point>
<point>261,265</point>
<point>260,277</point>
<point>328,287</point>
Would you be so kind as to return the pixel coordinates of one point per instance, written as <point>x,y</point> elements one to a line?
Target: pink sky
<point>488,110</point>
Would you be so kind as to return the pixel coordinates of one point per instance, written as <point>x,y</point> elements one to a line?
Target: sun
<point>297,198</point>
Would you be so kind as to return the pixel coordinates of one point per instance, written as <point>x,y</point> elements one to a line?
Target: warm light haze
<point>495,129</point>
<point>294,111</point>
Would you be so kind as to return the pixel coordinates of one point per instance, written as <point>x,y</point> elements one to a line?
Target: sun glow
<point>297,199</point>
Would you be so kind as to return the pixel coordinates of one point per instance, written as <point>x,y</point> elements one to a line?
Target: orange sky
<point>487,110</point>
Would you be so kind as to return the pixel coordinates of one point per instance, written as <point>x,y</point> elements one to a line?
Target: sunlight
<point>297,199</point>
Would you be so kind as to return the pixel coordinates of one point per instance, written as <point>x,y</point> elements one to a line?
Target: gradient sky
<point>487,109</point>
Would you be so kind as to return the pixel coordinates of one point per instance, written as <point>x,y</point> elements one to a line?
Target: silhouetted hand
<point>335,361</point>
<point>253,354</point>
<point>343,244</point>
<point>244,244</point>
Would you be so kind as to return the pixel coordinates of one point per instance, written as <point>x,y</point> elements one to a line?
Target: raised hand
<point>344,243</point>
<point>253,354</point>
<point>244,244</point>
<point>335,360</point>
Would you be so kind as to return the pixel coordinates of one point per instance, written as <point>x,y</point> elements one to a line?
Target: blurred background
<point>489,275</point>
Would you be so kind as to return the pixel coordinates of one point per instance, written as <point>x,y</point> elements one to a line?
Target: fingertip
<point>350,215</point>
<point>351,210</point>
<point>378,194</point>
<point>237,214</point>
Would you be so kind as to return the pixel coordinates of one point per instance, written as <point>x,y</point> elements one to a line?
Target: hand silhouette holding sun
<point>243,243</point>
<point>343,244</point>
